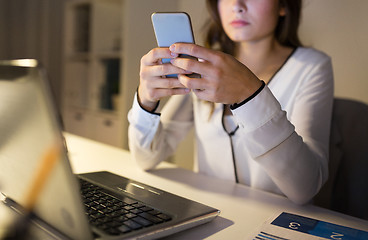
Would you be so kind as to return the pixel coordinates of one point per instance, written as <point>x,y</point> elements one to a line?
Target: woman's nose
<point>239,6</point>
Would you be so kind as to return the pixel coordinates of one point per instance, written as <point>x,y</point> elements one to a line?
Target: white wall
<point>340,28</point>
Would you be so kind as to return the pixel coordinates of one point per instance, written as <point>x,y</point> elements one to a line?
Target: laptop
<point>95,205</point>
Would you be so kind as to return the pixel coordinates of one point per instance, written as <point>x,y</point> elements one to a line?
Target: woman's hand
<point>223,78</point>
<point>153,83</point>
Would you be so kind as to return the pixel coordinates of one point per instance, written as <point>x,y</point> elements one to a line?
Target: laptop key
<point>122,211</point>
<point>113,224</point>
<point>112,231</point>
<point>135,211</point>
<point>138,205</point>
<point>164,217</point>
<point>128,207</point>
<point>142,221</point>
<point>146,209</point>
<point>121,219</point>
<point>154,212</point>
<point>151,217</point>
<point>130,215</point>
<point>119,203</point>
<point>124,229</point>
<point>97,215</point>
<point>104,220</point>
<point>133,225</point>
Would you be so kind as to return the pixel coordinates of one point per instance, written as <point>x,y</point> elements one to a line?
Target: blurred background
<point>91,50</point>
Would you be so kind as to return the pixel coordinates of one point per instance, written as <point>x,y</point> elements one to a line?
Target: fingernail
<point>174,55</point>
<point>172,48</point>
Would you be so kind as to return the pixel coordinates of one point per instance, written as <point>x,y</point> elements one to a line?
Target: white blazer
<point>281,145</point>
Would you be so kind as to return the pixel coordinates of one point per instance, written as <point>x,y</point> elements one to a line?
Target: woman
<point>261,109</point>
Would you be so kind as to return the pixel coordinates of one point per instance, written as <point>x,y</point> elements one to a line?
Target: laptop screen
<point>35,172</point>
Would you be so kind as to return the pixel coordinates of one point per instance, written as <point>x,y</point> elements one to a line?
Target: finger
<point>193,50</point>
<point>166,92</point>
<point>166,83</point>
<point>203,95</point>
<point>148,98</point>
<point>177,91</point>
<point>194,66</point>
<point>192,83</point>
<point>155,55</point>
<point>162,70</point>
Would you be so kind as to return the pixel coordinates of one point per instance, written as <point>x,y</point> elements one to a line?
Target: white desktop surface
<point>243,210</point>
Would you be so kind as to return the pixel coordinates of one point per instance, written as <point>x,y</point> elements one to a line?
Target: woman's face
<point>249,20</point>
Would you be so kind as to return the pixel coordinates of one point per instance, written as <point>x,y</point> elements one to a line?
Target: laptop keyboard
<point>115,216</point>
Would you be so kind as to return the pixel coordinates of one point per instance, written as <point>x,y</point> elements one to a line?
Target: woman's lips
<point>239,23</point>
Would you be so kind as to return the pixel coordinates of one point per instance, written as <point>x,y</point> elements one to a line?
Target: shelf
<point>109,86</point>
<point>104,41</point>
<point>82,28</point>
<point>76,82</point>
<point>107,27</point>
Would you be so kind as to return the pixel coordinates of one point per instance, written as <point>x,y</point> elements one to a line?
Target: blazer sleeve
<point>294,151</point>
<point>154,137</point>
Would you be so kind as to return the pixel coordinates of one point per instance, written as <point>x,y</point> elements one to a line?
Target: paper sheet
<point>287,226</point>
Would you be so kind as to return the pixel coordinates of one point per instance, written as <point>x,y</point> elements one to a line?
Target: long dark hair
<point>286,32</point>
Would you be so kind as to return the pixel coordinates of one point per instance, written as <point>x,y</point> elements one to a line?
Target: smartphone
<point>170,28</point>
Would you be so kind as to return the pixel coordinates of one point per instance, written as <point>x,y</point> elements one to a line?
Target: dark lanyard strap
<point>231,134</point>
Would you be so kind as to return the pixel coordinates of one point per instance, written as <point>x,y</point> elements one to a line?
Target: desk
<point>243,210</point>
